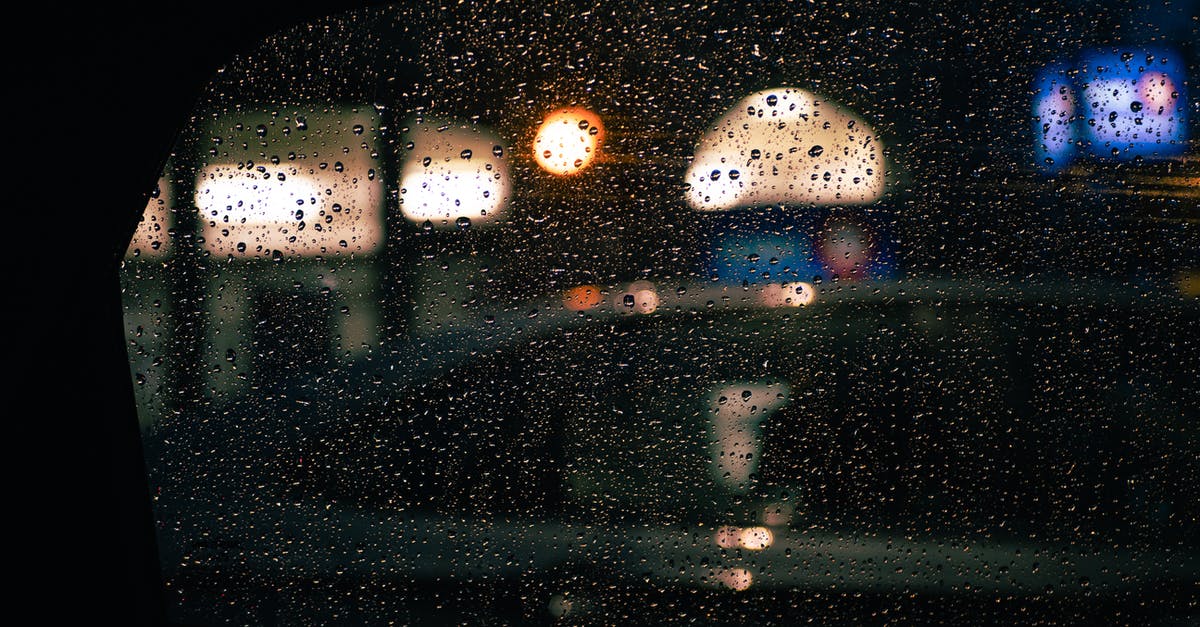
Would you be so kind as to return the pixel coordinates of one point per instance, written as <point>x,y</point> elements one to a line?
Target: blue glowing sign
<point>1115,105</point>
<point>847,247</point>
<point>1134,104</point>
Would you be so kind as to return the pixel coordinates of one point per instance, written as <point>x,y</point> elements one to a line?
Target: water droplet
<point>465,154</point>
<point>772,99</point>
<point>497,151</point>
<point>816,151</point>
<point>1135,106</point>
<point>261,129</point>
<point>714,175</point>
<point>358,129</point>
<point>463,223</point>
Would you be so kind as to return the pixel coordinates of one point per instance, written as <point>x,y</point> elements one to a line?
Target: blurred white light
<point>785,146</point>
<point>453,172</point>
<point>639,297</point>
<point>735,411</point>
<point>752,538</point>
<point>309,193</point>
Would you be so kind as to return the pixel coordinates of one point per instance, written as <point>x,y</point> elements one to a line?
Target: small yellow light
<point>567,141</point>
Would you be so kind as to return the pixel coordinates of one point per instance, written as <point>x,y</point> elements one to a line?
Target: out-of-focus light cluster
<point>751,538</point>
<point>796,294</point>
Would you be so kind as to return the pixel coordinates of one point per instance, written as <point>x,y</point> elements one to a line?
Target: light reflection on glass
<point>453,172</point>
<point>755,538</point>
<point>786,146</point>
<point>796,294</point>
<point>151,239</point>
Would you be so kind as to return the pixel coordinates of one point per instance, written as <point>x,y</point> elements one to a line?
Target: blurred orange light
<point>567,141</point>
<point>1189,283</point>
<point>755,538</point>
<point>582,298</point>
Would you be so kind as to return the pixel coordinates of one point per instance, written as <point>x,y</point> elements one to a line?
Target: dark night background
<point>124,81</point>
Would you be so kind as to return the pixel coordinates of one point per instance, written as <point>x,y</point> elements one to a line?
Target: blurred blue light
<point>1055,108</point>
<point>803,249</point>
<point>1134,103</point>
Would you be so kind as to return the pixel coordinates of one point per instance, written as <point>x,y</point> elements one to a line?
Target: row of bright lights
<point>776,146</point>
<point>642,297</point>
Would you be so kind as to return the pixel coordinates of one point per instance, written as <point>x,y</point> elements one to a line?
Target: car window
<point>682,313</point>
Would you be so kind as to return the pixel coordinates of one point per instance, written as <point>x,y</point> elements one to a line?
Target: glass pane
<point>850,313</point>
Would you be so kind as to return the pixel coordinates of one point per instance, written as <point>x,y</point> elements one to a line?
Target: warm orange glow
<point>582,298</point>
<point>567,141</point>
